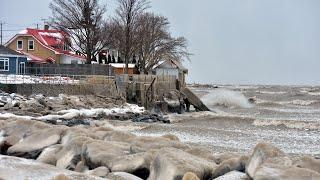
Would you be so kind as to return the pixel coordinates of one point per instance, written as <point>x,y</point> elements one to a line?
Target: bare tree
<point>127,15</point>
<point>83,21</point>
<point>155,42</point>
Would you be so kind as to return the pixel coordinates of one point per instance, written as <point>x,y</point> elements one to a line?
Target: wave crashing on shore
<point>225,97</point>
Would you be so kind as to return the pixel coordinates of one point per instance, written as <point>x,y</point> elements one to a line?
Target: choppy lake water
<point>287,116</point>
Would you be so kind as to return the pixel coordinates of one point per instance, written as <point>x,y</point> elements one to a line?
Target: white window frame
<point>18,44</point>
<point>29,44</point>
<point>24,68</point>
<point>5,61</point>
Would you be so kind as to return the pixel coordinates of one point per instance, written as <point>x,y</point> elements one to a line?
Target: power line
<point>1,23</point>
<point>9,30</point>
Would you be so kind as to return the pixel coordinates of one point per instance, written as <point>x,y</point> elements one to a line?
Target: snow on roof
<point>122,65</point>
<point>23,32</point>
<point>57,35</point>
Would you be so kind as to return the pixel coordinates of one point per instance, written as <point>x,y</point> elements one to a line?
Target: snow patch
<point>54,35</point>
<point>10,115</point>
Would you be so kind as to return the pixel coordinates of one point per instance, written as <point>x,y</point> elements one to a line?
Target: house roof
<point>36,59</point>
<point>173,63</point>
<point>50,39</point>
<point>8,52</point>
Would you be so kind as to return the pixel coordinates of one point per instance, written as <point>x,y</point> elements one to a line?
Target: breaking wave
<point>307,125</point>
<point>224,97</point>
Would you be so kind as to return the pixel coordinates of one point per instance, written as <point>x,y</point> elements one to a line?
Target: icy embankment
<point>83,113</point>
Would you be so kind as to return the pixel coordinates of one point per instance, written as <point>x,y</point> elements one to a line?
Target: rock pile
<point>106,153</point>
<point>39,104</point>
<point>74,110</point>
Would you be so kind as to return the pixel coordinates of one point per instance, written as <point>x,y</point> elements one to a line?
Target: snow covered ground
<point>28,79</point>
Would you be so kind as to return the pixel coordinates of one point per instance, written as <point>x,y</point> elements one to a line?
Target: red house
<point>45,46</point>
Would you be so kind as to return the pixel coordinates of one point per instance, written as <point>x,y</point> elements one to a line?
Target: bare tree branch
<point>83,21</point>
<point>127,15</point>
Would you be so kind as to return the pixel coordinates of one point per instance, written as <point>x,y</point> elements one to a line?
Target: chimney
<point>46,27</point>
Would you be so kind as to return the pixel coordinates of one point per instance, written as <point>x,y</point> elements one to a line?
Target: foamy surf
<point>225,97</point>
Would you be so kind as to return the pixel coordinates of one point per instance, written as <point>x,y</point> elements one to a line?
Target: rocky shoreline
<point>104,152</point>
<point>73,110</point>
<point>63,139</point>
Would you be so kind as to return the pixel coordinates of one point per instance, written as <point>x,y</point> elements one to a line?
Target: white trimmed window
<point>19,45</point>
<point>31,45</point>
<point>4,64</point>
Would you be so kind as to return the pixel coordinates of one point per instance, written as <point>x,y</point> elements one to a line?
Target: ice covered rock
<point>99,153</point>
<point>70,154</point>
<point>219,158</point>
<point>308,162</point>
<point>233,164</point>
<point>281,172</point>
<point>122,176</point>
<point>190,176</point>
<point>171,163</point>
<point>101,171</point>
<point>119,136</point>
<point>32,145</point>
<point>14,168</point>
<point>12,104</point>
<point>137,164</point>
<point>266,153</point>
<point>234,175</point>
<point>200,152</point>
<point>143,144</point>
<point>48,155</point>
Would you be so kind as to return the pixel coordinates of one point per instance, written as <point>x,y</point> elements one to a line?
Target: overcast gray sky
<point>233,41</point>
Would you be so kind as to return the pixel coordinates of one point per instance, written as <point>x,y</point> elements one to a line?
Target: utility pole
<point>1,31</point>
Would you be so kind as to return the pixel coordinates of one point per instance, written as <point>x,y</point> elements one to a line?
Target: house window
<point>19,45</point>
<point>4,64</point>
<point>30,45</point>
<point>65,47</point>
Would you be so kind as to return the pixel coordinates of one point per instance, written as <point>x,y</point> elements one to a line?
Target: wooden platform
<point>194,100</point>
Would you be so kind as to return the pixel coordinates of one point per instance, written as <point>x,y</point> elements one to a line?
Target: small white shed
<point>172,68</point>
